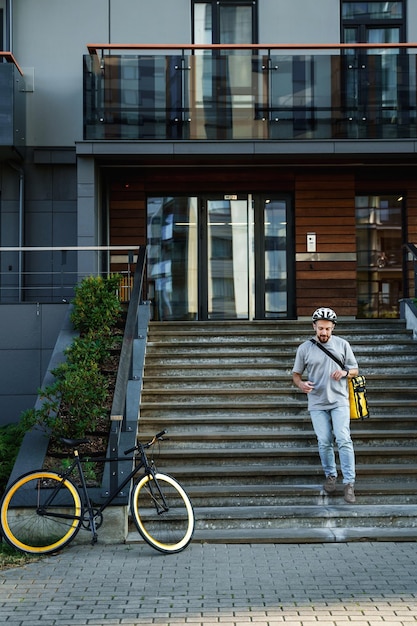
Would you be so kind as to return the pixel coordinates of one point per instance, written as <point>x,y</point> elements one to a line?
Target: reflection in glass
<point>227,259</point>
<point>218,257</point>
<point>372,10</point>
<point>237,95</point>
<point>275,238</point>
<point>172,257</point>
<point>379,254</point>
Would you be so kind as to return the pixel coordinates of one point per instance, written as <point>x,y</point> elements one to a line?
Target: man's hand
<point>304,386</point>
<point>338,374</point>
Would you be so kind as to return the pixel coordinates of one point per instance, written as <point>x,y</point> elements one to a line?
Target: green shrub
<point>97,307</point>
<point>73,404</point>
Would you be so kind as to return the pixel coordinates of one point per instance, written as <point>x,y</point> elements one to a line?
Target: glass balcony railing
<point>12,102</point>
<point>239,93</point>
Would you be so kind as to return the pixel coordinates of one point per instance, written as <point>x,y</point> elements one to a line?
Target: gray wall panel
<point>28,334</point>
<point>22,375</point>
<point>11,407</point>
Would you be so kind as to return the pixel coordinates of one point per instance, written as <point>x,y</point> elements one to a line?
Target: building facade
<point>267,161</point>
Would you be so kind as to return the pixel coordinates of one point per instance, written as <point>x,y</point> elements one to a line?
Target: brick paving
<point>337,584</point>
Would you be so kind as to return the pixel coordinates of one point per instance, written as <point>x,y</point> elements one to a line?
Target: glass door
<point>221,256</point>
<point>275,297</point>
<point>224,257</point>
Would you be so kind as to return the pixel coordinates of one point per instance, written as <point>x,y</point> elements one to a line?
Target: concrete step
<point>296,535</point>
<point>378,370</point>
<point>310,474</point>
<point>275,359</point>
<point>301,523</point>
<point>210,437</point>
<point>259,380</point>
<point>337,515</point>
<point>258,408</point>
<point>305,535</point>
<point>304,326</point>
<point>288,408</point>
<point>283,347</point>
<point>247,458</point>
<point>383,493</point>
<point>265,426</point>
<point>250,391</point>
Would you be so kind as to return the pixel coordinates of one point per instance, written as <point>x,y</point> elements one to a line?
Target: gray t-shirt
<point>327,393</point>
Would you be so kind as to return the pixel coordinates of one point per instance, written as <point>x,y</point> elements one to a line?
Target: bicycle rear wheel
<point>40,512</point>
<point>163,513</point>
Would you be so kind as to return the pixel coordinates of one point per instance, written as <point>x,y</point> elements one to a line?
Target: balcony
<point>258,92</point>
<point>12,103</point>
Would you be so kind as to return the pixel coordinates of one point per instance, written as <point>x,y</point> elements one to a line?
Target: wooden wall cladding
<point>325,205</point>
<point>127,217</point>
<point>127,214</point>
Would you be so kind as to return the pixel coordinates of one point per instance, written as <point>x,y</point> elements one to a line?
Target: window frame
<point>216,6</point>
<point>362,25</point>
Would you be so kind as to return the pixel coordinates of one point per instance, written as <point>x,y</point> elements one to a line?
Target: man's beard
<point>323,339</point>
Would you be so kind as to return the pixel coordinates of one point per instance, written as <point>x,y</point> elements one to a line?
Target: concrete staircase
<point>241,441</point>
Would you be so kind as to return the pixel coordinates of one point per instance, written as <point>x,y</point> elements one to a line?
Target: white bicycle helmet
<point>323,313</point>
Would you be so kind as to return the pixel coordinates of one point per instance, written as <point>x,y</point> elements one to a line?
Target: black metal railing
<point>124,372</point>
<point>49,274</point>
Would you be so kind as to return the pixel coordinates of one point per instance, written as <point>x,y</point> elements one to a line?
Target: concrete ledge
<point>112,531</point>
<point>310,535</point>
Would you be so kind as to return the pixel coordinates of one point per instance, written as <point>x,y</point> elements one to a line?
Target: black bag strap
<point>340,364</point>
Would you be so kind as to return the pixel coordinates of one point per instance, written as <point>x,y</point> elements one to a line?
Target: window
<point>373,10</point>
<point>373,22</point>
<point>224,21</point>
<point>375,99</point>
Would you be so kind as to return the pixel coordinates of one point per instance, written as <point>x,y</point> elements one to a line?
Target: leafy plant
<point>89,468</point>
<point>74,403</point>
<point>97,307</point>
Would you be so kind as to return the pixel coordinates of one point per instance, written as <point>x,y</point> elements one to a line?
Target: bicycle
<point>42,511</point>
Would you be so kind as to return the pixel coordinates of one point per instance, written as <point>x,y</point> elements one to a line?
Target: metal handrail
<point>94,47</point>
<point>73,274</point>
<point>118,410</point>
<point>124,370</point>
<point>8,56</point>
<point>64,248</point>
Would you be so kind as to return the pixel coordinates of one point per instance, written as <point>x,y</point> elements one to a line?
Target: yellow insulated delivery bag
<point>357,398</point>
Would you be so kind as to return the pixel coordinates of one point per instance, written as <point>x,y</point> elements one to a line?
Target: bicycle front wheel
<point>41,512</point>
<point>163,513</point>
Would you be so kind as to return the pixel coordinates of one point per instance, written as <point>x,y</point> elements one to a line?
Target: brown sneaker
<point>349,494</point>
<point>330,484</point>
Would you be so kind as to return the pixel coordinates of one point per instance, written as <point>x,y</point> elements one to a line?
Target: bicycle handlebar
<point>158,436</point>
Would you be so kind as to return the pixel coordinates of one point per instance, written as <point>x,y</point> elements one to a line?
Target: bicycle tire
<point>170,529</point>
<point>25,522</point>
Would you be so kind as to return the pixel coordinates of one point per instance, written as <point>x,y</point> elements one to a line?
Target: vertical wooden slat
<point>325,205</point>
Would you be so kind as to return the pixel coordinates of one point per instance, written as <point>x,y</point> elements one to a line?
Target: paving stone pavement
<point>363,584</point>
